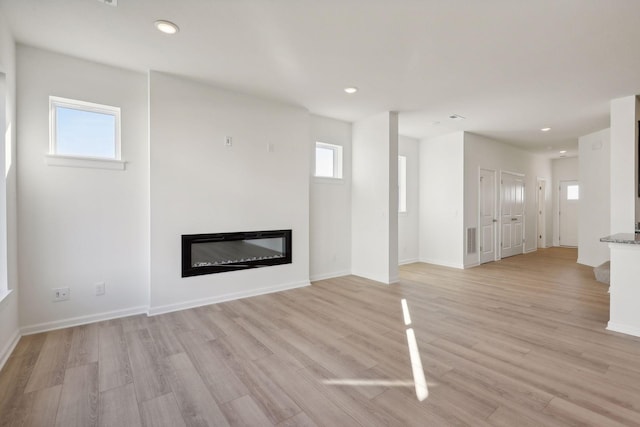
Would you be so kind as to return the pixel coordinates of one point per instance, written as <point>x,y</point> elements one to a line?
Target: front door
<point>488,217</point>
<point>568,229</point>
<point>511,214</point>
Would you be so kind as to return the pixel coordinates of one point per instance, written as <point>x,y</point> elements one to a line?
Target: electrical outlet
<point>100,288</point>
<point>228,141</point>
<point>60,294</point>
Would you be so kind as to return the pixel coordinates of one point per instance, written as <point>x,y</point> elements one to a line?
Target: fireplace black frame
<point>189,270</point>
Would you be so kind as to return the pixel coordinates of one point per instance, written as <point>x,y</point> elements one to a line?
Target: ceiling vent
<point>113,3</point>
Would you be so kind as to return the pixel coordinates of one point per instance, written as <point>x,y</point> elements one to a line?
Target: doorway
<point>568,213</point>
<point>511,214</point>
<point>488,218</point>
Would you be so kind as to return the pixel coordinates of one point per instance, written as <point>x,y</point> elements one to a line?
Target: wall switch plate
<point>270,147</point>
<point>60,294</point>
<point>100,288</point>
<point>228,141</point>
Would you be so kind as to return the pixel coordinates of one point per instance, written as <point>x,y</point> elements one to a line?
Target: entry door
<point>569,197</point>
<point>488,217</point>
<point>512,214</point>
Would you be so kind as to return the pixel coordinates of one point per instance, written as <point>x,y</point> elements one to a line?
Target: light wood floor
<point>515,343</point>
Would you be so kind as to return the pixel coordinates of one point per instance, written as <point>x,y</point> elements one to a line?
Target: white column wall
<point>594,220</point>
<point>624,185</point>
<point>374,201</point>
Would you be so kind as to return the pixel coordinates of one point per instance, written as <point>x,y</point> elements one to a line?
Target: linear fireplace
<point>220,252</point>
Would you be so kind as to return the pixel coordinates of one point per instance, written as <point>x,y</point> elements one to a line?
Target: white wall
<point>481,152</point>
<point>441,188</point>
<point>564,169</point>
<point>408,229</point>
<point>9,324</point>
<point>374,198</point>
<point>624,139</point>
<point>80,226</point>
<point>595,203</point>
<point>200,186</point>
<point>330,205</point>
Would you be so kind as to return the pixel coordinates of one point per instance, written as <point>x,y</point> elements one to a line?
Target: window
<point>402,184</point>
<point>573,192</point>
<point>328,160</point>
<point>84,129</point>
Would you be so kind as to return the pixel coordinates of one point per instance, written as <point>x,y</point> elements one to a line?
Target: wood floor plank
<point>146,365</point>
<point>39,408</point>
<point>320,409</point>
<point>162,411</point>
<point>84,345</point>
<point>272,399</point>
<point>196,404</point>
<point>114,366</point>
<point>221,381</point>
<point>79,397</point>
<point>15,375</point>
<point>244,412</point>
<point>52,360</point>
<point>300,420</point>
<point>118,407</point>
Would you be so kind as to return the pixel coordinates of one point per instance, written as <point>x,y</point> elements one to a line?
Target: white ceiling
<point>510,67</point>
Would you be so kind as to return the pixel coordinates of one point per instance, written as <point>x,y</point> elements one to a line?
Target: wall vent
<point>471,240</point>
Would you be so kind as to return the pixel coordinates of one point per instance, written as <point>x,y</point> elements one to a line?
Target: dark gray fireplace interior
<point>220,252</point>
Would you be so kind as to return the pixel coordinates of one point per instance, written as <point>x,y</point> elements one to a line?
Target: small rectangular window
<point>328,160</point>
<point>402,184</point>
<point>84,129</point>
<point>573,192</point>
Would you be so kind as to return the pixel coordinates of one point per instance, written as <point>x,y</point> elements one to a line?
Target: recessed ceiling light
<point>545,129</point>
<point>563,151</point>
<point>166,27</point>
<point>351,90</point>
<point>456,117</point>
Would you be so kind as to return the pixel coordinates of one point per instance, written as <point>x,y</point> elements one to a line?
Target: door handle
<point>495,220</point>
<point>514,219</point>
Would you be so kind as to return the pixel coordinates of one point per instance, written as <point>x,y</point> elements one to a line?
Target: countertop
<point>625,238</point>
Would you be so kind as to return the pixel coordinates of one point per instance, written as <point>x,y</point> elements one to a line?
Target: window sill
<point>327,180</point>
<point>84,162</point>
<point>4,294</point>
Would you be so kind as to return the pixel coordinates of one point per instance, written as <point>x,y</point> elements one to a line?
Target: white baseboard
<point>442,263</point>
<point>623,329</point>
<point>473,264</point>
<point>153,311</point>
<point>325,276</point>
<point>528,251</point>
<point>8,349</point>
<point>408,261</point>
<point>82,320</point>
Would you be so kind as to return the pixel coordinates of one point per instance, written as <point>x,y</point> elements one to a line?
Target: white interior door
<point>511,214</point>
<point>488,217</point>
<point>568,221</point>
<point>542,191</point>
